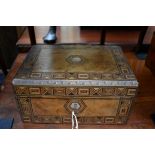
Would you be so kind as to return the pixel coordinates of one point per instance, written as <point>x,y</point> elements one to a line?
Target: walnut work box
<point>94,81</point>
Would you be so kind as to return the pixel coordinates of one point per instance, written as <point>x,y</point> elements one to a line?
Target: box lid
<point>75,65</point>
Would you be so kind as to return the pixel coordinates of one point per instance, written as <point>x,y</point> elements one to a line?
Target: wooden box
<point>94,81</point>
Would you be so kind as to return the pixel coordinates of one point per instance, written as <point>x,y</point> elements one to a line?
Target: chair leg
<point>103,36</point>
<point>32,35</point>
<point>3,65</point>
<point>141,38</point>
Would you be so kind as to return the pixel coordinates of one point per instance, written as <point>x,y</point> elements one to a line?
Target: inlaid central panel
<point>86,107</point>
<point>75,60</point>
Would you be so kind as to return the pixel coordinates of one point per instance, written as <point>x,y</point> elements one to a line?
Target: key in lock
<point>75,106</point>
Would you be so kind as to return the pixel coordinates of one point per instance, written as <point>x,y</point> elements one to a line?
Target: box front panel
<point>88,110</point>
<point>83,107</point>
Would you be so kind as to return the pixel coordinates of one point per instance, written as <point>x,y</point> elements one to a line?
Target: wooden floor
<point>144,104</point>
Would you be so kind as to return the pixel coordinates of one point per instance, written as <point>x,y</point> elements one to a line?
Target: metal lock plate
<point>75,106</point>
